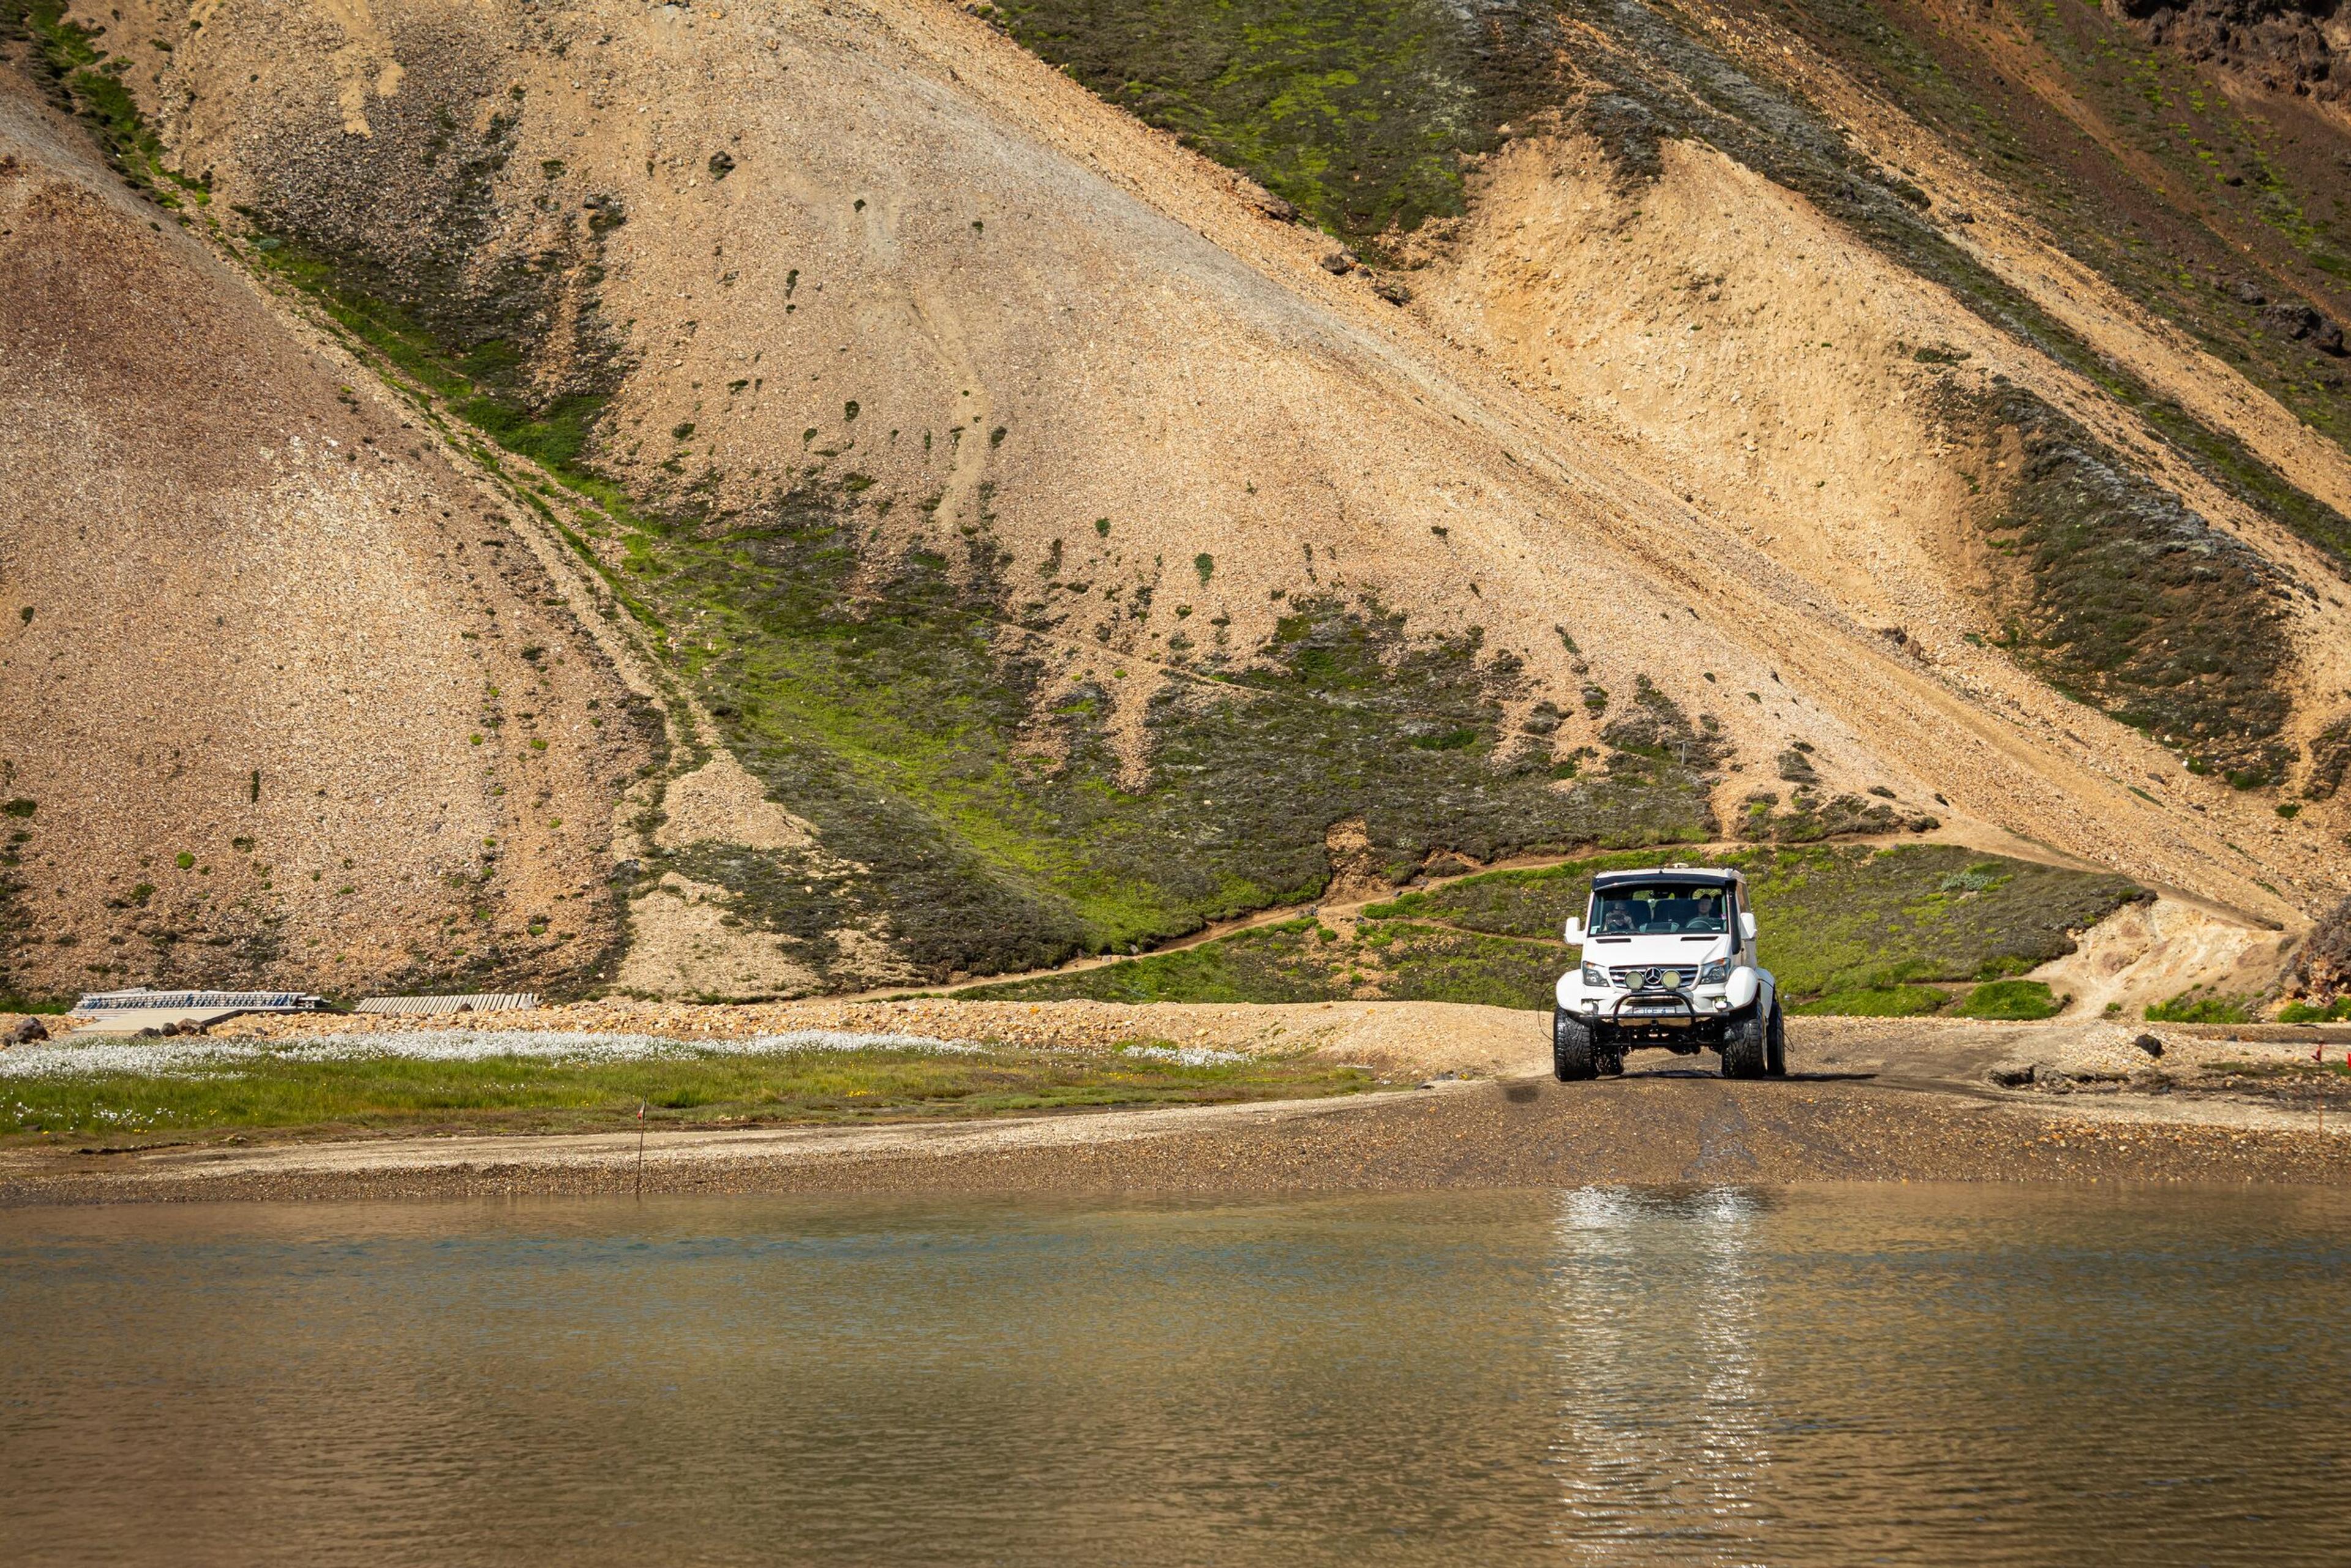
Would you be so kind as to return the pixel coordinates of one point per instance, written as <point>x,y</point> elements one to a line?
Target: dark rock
<point>2149,1044</point>
<point>2010,1074</point>
<point>2291,320</point>
<point>1393,292</point>
<point>1961,216</point>
<point>1339,263</point>
<point>28,1030</point>
<point>1273,206</point>
<point>2285,45</point>
<point>2321,970</point>
<point>721,166</point>
<point>2247,294</point>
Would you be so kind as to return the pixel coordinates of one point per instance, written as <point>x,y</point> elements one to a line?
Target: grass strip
<point>394,1084</point>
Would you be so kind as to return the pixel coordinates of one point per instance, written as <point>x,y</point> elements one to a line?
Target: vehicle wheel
<point>1571,1047</point>
<point>1776,1044</point>
<point>1744,1047</point>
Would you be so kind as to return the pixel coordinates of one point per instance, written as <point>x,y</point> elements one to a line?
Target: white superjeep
<point>1668,960</point>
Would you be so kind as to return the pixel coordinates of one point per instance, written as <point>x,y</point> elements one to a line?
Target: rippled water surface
<point>1824,1376</point>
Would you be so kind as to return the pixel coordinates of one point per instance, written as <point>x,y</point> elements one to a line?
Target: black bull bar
<point>1667,1009</point>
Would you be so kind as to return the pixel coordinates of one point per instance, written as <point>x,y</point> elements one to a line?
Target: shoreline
<point>1869,1099</point>
<point>1660,1128</point>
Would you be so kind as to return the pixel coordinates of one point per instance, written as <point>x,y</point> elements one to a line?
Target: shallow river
<point>1826,1376</point>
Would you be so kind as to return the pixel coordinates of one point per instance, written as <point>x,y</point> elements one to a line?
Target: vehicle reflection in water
<point>1665,1448</point>
<point>1834,1376</point>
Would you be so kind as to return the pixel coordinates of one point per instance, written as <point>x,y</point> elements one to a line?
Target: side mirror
<point>1573,934</point>
<point>1747,923</point>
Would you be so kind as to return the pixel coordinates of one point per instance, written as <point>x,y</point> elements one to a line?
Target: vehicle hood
<point>1658,953</point>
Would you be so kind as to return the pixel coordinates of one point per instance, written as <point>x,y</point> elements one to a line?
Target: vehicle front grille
<point>1670,976</point>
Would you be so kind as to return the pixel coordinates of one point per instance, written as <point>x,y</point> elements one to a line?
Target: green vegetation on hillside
<point>898,717</point>
<point>2128,600</point>
<point>1847,929</point>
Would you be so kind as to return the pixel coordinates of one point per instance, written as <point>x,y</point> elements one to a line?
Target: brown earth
<point>1687,430</point>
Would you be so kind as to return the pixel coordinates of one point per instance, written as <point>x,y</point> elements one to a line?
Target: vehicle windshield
<point>1653,910</point>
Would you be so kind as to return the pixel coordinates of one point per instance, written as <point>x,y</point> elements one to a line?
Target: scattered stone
<point>1339,263</point>
<point>28,1030</point>
<point>1393,292</point>
<point>2247,294</point>
<point>2149,1044</point>
<point>1962,216</point>
<point>2010,1074</point>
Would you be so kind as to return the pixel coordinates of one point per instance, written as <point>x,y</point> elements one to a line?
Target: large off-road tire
<point>1746,1045</point>
<point>1775,1043</point>
<point>1572,1054</point>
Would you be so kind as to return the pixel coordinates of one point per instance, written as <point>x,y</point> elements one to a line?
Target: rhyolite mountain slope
<point>281,697</point>
<point>1032,540</point>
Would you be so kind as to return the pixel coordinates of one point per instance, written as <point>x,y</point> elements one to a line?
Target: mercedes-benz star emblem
<point>1654,978</point>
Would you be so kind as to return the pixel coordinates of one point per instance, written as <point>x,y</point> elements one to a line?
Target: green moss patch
<point>1360,113</point>
<point>2199,1005</point>
<point>2011,999</point>
<point>1876,1002</point>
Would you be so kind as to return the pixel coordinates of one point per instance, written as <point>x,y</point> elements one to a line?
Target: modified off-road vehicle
<point>1668,960</point>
